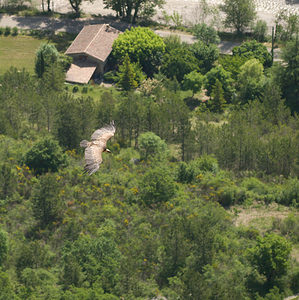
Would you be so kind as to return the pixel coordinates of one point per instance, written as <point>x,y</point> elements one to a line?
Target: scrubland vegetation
<point>200,139</point>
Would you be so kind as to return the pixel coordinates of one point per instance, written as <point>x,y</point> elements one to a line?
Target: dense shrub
<point>206,163</point>
<point>185,173</point>
<point>44,156</point>
<point>7,31</point>
<point>110,77</point>
<point>290,192</point>
<point>260,31</point>
<point>231,195</point>
<point>75,89</point>
<point>15,31</point>
<point>157,186</point>
<point>152,146</point>
<point>3,246</point>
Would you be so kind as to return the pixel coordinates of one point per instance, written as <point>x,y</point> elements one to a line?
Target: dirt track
<point>189,9</point>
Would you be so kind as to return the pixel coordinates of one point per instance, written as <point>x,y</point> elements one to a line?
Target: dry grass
<point>260,216</point>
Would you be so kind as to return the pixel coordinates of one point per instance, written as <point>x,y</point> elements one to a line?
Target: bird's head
<point>107,150</point>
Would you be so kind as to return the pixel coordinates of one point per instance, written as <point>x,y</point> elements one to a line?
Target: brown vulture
<point>95,148</point>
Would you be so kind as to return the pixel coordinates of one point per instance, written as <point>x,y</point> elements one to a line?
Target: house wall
<point>83,57</point>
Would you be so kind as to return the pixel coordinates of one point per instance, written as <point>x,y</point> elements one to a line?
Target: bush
<point>65,61</point>
<point>206,33</point>
<point>152,146</point>
<point>260,31</point>
<point>45,155</point>
<point>47,206</point>
<point>3,246</point>
<point>288,227</point>
<point>128,155</point>
<point>1,30</point>
<point>253,49</point>
<point>185,173</point>
<point>231,195</point>
<point>255,185</point>
<point>110,77</point>
<point>15,31</point>
<point>290,192</point>
<point>206,163</point>
<point>157,186</point>
<point>7,31</point>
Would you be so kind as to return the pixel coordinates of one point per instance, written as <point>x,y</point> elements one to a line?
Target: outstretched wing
<point>104,134</point>
<point>93,158</point>
<point>95,148</point>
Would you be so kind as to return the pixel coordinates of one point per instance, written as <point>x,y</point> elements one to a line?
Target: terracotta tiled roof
<point>80,71</point>
<point>94,40</point>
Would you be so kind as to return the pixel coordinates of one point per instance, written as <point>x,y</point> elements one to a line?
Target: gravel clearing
<point>189,9</point>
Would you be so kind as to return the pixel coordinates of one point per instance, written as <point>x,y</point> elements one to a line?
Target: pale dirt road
<point>189,9</point>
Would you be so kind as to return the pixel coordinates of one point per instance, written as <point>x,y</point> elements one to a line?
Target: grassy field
<point>18,51</point>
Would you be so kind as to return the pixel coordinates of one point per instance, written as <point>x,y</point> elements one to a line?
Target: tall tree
<point>290,74</point>
<point>253,49</point>
<point>75,4</point>
<point>239,13</point>
<point>206,34</point>
<point>193,81</point>
<point>250,81</point>
<point>46,55</point>
<point>142,46</point>
<point>129,75</point>
<point>217,98</point>
<point>206,55</point>
<point>133,9</point>
<point>218,73</point>
<point>271,256</point>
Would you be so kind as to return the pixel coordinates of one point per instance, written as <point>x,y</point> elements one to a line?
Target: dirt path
<point>189,9</point>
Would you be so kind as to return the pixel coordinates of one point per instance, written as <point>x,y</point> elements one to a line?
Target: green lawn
<point>18,51</point>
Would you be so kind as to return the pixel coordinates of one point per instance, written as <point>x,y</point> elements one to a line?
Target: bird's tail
<point>84,143</point>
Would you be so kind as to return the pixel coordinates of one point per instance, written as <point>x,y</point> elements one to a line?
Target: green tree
<point>271,256</point>
<point>46,202</point>
<point>75,4</point>
<point>287,26</point>
<point>75,120</point>
<point>19,103</point>
<point>129,75</point>
<point>290,74</point>
<point>44,156</point>
<point>98,257</point>
<point>193,81</point>
<point>250,81</point>
<point>217,99</point>
<point>224,77</point>
<point>232,64</point>
<point>133,9</point>
<point>8,181</point>
<point>206,55</point>
<point>274,108</point>
<point>157,186</point>
<point>3,246</point>
<point>6,287</point>
<point>260,31</point>
<point>152,146</point>
<point>253,49</point>
<point>46,55</point>
<point>239,13</point>
<point>206,34</point>
<point>142,46</point>
<point>178,61</point>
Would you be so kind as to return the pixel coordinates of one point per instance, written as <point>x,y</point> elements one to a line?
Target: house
<point>90,51</point>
